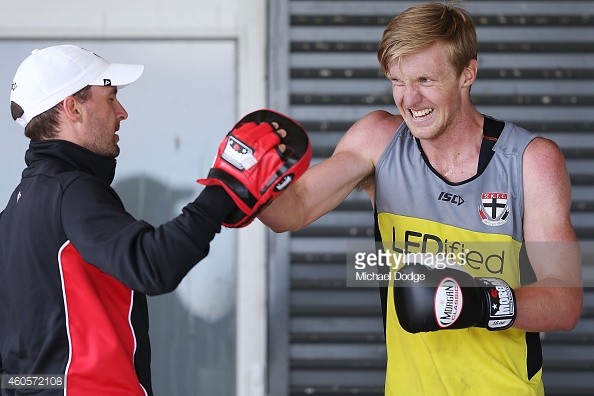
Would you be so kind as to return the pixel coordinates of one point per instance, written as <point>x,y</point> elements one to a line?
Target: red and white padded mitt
<point>250,166</point>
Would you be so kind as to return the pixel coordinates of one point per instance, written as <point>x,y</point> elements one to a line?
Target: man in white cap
<point>75,267</point>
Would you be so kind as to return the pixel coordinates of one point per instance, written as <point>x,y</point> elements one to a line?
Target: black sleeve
<point>152,260</point>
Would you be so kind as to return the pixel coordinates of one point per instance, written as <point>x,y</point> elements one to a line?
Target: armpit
<point>367,182</point>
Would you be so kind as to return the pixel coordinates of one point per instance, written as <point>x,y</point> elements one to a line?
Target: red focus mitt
<point>251,168</point>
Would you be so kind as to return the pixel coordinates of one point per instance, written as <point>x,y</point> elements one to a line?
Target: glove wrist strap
<point>501,304</point>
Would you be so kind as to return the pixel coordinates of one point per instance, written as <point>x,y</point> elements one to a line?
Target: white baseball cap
<point>49,75</point>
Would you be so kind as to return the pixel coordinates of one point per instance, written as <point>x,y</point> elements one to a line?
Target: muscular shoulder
<point>546,185</point>
<point>365,142</point>
<point>370,135</point>
<point>543,159</point>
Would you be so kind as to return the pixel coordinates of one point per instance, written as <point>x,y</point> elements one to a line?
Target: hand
<point>450,298</point>
<point>262,155</point>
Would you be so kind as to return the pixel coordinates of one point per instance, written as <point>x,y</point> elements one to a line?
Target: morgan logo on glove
<point>502,309</point>
<point>448,302</point>
<point>239,154</point>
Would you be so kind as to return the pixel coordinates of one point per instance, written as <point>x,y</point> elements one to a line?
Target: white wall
<point>109,18</point>
<point>242,20</point>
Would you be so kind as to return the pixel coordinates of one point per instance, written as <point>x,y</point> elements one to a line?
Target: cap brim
<point>118,74</point>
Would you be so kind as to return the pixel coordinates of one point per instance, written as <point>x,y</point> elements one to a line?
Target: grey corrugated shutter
<point>536,69</point>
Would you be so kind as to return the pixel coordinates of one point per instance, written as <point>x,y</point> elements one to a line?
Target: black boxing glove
<point>431,299</point>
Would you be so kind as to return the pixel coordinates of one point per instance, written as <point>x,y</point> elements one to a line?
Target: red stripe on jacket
<point>101,337</point>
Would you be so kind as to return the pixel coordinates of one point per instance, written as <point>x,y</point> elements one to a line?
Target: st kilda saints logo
<point>494,208</point>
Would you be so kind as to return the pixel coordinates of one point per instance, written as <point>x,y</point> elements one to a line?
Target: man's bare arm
<point>328,183</point>
<point>554,301</point>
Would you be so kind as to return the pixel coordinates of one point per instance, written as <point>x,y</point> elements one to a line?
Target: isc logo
<point>451,198</point>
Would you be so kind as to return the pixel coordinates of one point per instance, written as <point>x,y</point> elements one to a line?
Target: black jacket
<point>75,268</point>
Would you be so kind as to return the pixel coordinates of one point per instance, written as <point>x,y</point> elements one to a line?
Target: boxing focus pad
<point>251,168</point>
<point>430,299</point>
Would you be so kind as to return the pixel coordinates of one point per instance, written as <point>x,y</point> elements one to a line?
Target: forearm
<point>152,260</point>
<point>548,305</point>
<point>316,193</point>
<point>284,213</point>
<point>295,209</point>
<point>166,254</point>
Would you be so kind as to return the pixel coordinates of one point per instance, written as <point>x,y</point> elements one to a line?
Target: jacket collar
<point>71,157</point>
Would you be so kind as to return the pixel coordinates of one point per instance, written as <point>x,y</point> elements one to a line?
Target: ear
<point>469,74</point>
<point>71,109</point>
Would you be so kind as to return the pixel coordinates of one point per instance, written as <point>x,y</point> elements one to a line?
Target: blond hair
<point>421,26</point>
